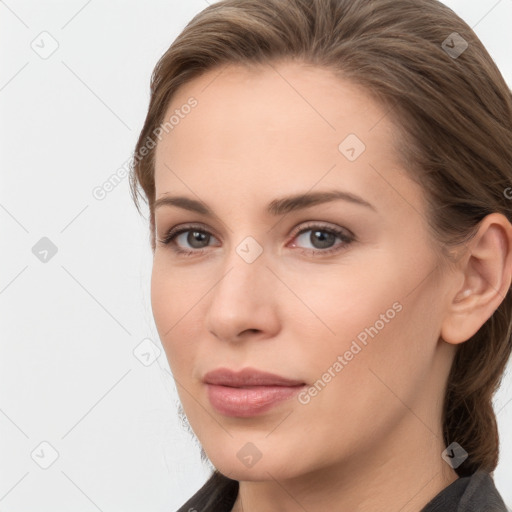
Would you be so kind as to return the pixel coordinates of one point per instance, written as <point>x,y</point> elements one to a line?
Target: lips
<point>247,377</point>
<point>248,392</point>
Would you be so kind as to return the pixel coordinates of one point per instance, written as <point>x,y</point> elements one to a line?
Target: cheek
<point>162,301</point>
<point>173,307</point>
<point>364,323</point>
<point>357,390</point>
<point>380,357</point>
<point>339,304</point>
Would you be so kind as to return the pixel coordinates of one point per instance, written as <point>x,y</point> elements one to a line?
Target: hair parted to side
<point>454,116</point>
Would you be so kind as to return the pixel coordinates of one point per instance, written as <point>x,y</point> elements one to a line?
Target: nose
<point>243,303</point>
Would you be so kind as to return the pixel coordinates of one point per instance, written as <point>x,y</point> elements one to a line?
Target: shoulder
<point>475,493</point>
<point>481,494</point>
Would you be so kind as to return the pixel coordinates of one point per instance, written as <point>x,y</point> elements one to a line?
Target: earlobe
<point>487,275</point>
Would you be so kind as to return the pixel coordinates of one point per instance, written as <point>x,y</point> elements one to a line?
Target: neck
<point>402,474</point>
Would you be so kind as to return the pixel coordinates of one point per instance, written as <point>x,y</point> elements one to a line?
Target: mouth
<point>249,392</point>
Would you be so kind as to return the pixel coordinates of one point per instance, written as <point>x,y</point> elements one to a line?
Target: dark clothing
<point>475,493</point>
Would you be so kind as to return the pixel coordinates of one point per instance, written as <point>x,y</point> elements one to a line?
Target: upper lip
<point>247,377</point>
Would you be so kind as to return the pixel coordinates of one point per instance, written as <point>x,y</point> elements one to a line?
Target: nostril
<point>250,330</point>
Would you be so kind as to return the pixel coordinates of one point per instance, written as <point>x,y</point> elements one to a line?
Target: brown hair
<point>454,113</point>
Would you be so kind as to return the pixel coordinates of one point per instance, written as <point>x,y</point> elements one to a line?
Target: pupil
<point>325,239</point>
<point>196,236</point>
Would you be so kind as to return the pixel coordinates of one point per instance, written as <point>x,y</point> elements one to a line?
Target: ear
<point>486,268</point>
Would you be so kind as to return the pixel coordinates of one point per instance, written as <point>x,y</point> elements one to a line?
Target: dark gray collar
<point>475,493</point>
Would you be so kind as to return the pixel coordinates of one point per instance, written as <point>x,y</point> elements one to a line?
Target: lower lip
<point>250,401</point>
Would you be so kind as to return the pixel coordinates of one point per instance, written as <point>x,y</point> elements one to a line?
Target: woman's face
<point>341,294</point>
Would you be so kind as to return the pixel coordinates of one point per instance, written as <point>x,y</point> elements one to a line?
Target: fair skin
<point>371,439</point>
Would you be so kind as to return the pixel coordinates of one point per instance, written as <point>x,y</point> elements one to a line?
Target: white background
<point>69,326</point>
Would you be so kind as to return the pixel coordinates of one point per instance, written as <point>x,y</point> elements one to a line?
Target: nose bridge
<point>239,299</point>
<point>244,271</point>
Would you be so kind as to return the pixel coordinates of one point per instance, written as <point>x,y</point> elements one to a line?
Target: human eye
<point>196,236</point>
<point>322,237</point>
<point>190,240</point>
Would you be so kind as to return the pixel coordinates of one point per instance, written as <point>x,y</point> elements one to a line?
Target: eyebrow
<point>276,207</point>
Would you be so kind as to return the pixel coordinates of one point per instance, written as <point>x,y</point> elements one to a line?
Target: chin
<point>254,462</point>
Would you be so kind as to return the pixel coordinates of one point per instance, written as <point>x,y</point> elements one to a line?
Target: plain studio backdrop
<point>88,410</point>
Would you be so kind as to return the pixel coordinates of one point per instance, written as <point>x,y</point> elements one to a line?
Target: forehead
<point>280,126</point>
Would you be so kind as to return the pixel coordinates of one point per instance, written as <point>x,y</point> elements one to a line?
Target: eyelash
<point>169,239</point>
